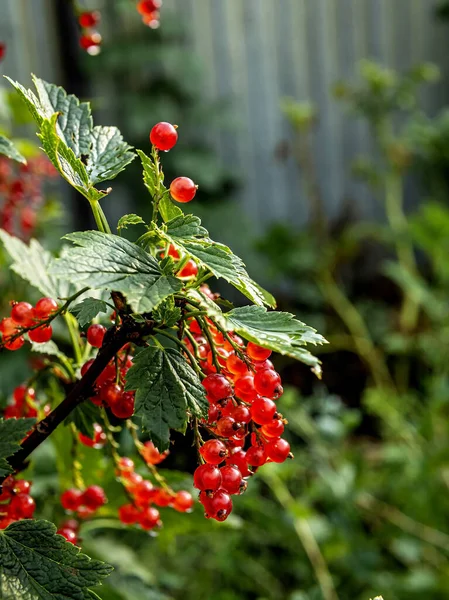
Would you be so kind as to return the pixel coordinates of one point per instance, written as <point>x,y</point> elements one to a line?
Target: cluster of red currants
<point>23,403</point>
<point>15,501</point>
<point>84,503</point>
<point>243,417</point>
<point>24,316</point>
<point>145,496</point>
<point>149,10</point>
<point>99,439</point>
<point>69,529</point>
<point>109,386</point>
<point>21,187</point>
<point>90,39</point>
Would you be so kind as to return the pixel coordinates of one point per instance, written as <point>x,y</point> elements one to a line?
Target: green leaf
<point>127,220</point>
<point>166,207</point>
<point>83,417</point>
<point>8,149</point>
<point>88,309</point>
<point>167,313</point>
<point>31,262</point>
<point>109,262</point>
<point>187,234</point>
<point>278,331</point>
<point>47,348</point>
<point>166,388</point>
<point>38,564</point>
<point>84,155</point>
<point>12,432</point>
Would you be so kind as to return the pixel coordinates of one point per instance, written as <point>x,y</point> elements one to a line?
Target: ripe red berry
<point>22,392</point>
<point>241,414</point>
<point>163,136</point>
<point>91,42</point>
<point>95,335</point>
<point>145,7</point>
<point>256,456</point>
<point>128,514</point>
<point>93,497</point>
<point>22,486</point>
<point>149,518</point>
<point>219,506</point>
<point>22,506</point>
<point>86,367</point>
<point>112,393</point>
<point>22,313</point>
<point>182,189</point>
<point>124,409</point>
<point>89,19</point>
<point>163,497</point>
<point>232,480</point>
<point>8,327</point>
<point>42,334</point>
<point>151,454</point>
<point>278,450</point>
<point>68,534</point>
<point>71,524</point>
<point>262,366</point>
<point>217,387</point>
<point>267,383</point>
<point>244,388</point>
<point>44,308</point>
<point>99,439</point>
<point>214,452</point>
<point>227,427</point>
<point>262,410</point>
<point>238,458</point>
<point>71,499</point>
<point>183,501</point>
<point>207,478</point>
<point>144,492</point>
<point>257,353</point>
<point>14,344</point>
<point>236,365</point>
<point>190,269</point>
<point>274,429</point>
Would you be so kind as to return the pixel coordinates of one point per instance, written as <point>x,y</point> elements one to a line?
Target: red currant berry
<point>90,42</point>
<point>217,387</point>
<point>68,534</point>
<point>241,414</point>
<point>190,269</point>
<point>151,454</point>
<point>256,456</point>
<point>84,512</point>
<point>125,408</point>
<point>71,524</point>
<point>236,365</point>
<point>227,427</point>
<point>195,327</point>
<point>22,392</point>
<point>93,497</point>
<point>99,439</point>
<point>149,518</point>
<point>278,450</point>
<point>274,429</point>
<point>163,136</point>
<point>267,383</point>
<point>264,365</point>
<point>145,7</point>
<point>71,499</point>
<point>95,335</point>
<point>22,506</point>
<point>89,19</point>
<point>144,492</point>
<point>163,497</point>
<point>207,478</point>
<point>22,486</point>
<point>182,189</point>
<point>8,327</point>
<point>244,388</point>
<point>263,410</point>
<point>128,514</point>
<point>86,367</point>
<point>22,313</point>
<point>183,501</point>
<point>257,353</point>
<point>238,458</point>
<point>41,334</point>
<point>125,465</point>
<point>219,506</point>
<point>112,393</point>
<point>15,344</point>
<point>44,308</point>
<point>214,452</point>
<point>213,414</point>
<point>232,480</point>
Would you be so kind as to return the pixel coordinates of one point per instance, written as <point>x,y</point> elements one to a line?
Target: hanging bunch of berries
<point>90,38</point>
<point>26,319</point>
<point>15,501</point>
<point>150,12</point>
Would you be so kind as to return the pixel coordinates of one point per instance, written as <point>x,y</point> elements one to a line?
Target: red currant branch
<point>207,333</point>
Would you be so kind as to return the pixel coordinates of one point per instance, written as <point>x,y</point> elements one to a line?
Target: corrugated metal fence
<point>258,51</point>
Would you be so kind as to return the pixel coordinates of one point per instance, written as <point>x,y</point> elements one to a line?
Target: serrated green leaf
<point>187,235</point>
<point>166,207</point>
<point>38,564</point>
<point>31,262</point>
<point>8,149</point>
<point>109,262</point>
<point>12,432</point>
<point>84,417</point>
<point>88,309</point>
<point>127,220</point>
<point>278,331</point>
<point>49,348</point>
<point>167,313</point>
<point>166,388</point>
<point>109,154</point>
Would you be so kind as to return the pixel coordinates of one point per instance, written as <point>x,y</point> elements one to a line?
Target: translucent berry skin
<point>278,450</point>
<point>182,189</point>
<point>149,518</point>
<point>95,335</point>
<point>41,334</point>
<point>217,387</point>
<point>263,410</point>
<point>22,392</point>
<point>183,501</point>
<point>15,344</point>
<point>22,506</point>
<point>214,452</point>
<point>163,136</point>
<point>232,480</point>
<point>227,427</point>
<point>274,429</point>
<point>86,367</point>
<point>256,456</point>
<point>236,365</point>
<point>8,326</point>
<point>128,514</point>
<point>241,414</point>
<point>244,388</point>
<point>22,486</point>
<point>267,383</point>
<point>219,506</point>
<point>190,269</point>
<point>112,393</point>
<point>71,499</point>
<point>152,455</point>
<point>238,458</point>
<point>45,307</point>
<point>93,497</point>
<point>89,19</point>
<point>207,478</point>
<point>68,534</point>
<point>145,7</point>
<point>22,313</point>
<point>125,408</point>
<point>90,40</point>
